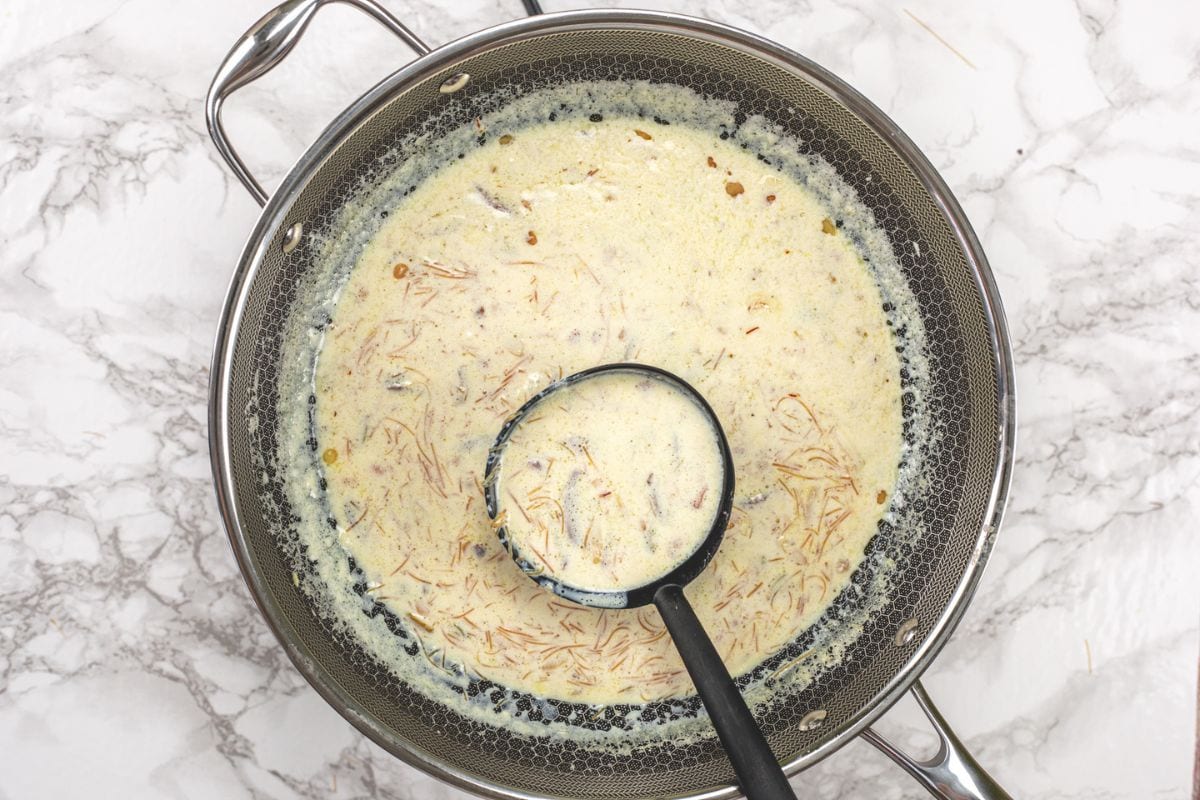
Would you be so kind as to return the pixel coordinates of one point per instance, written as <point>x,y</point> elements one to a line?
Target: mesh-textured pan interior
<point>954,507</point>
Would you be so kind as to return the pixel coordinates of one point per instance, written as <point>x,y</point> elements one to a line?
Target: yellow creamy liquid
<point>567,245</point>
<point>610,483</point>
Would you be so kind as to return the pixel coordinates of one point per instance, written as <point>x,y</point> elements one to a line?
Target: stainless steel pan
<point>971,403</point>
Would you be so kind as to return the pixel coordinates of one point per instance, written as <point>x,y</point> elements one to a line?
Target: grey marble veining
<point>132,660</point>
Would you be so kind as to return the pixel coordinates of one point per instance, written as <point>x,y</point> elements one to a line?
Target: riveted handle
<point>262,47</point>
<point>952,773</point>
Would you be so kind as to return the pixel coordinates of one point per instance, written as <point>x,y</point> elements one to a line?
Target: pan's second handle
<point>262,47</point>
<point>952,773</point>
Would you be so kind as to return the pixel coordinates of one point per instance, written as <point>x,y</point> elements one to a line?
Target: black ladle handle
<point>757,770</point>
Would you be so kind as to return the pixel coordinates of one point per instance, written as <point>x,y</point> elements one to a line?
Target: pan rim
<point>272,220</point>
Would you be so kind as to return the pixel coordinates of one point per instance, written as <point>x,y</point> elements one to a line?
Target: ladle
<point>758,772</point>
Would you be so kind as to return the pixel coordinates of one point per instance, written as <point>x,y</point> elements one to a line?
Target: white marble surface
<point>132,661</point>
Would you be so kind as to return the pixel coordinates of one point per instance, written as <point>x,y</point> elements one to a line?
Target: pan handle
<point>262,47</point>
<point>952,773</point>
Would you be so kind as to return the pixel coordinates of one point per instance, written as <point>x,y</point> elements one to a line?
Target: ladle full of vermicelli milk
<point>612,488</point>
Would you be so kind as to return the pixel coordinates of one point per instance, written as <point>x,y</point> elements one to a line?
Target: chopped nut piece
<point>712,163</point>
<point>424,623</point>
<point>643,134</point>
<point>399,271</point>
<point>733,188</point>
<point>827,226</point>
<point>762,302</point>
<point>531,238</point>
<point>506,139</point>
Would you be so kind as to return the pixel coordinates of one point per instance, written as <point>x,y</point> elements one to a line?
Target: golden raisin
<point>643,134</point>
<point>770,198</point>
<point>828,227</point>
<point>712,163</point>
<point>733,188</point>
<point>329,456</point>
<point>531,238</point>
<point>506,139</point>
<point>399,271</point>
<point>879,498</point>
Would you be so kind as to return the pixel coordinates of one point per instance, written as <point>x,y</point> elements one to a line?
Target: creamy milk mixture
<point>559,246</point>
<point>610,483</point>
